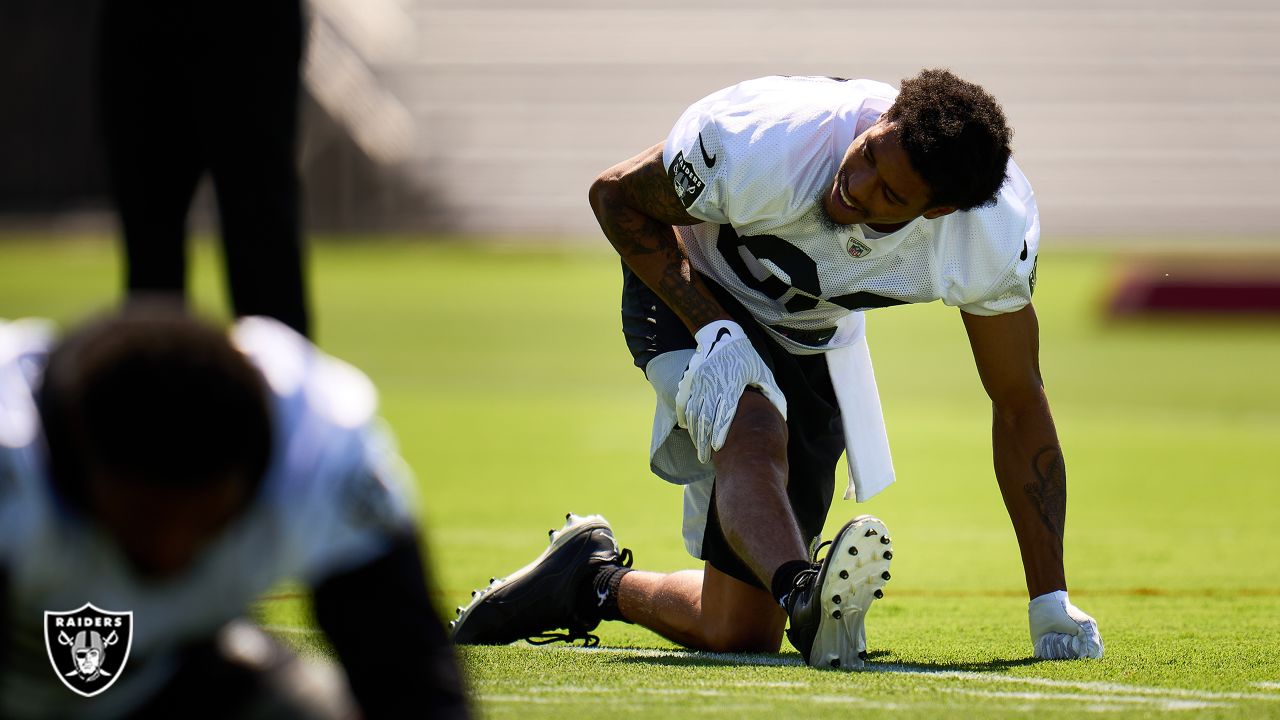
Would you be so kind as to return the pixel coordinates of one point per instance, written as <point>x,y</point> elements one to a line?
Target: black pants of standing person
<point>195,86</point>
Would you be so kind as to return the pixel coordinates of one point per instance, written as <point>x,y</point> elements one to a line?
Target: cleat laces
<point>546,638</point>
<point>808,576</point>
<point>573,635</point>
<point>813,554</point>
<point>803,579</point>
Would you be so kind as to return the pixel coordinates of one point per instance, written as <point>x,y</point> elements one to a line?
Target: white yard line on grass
<point>524,699</point>
<point>1106,695</point>
<point>542,691</point>
<point>1106,687</point>
<point>765,684</point>
<point>924,672</point>
<point>1103,703</point>
<point>1106,699</point>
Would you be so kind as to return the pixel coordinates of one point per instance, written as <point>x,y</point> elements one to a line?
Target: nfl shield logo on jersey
<point>88,646</point>
<point>857,249</point>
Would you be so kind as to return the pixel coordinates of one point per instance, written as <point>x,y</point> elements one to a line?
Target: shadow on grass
<point>692,658</point>
<point>939,667</point>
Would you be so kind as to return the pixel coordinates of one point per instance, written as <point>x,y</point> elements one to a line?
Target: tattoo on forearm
<point>1049,491</point>
<point>678,288</point>
<point>652,190</point>
<point>639,225</point>
<point>632,233</point>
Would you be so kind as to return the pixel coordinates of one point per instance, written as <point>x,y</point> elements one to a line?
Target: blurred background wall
<point>1134,118</point>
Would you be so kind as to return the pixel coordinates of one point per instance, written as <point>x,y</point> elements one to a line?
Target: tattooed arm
<point>637,206</point>
<point>1028,459</point>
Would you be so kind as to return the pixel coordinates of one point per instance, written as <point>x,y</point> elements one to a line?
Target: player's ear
<point>938,212</point>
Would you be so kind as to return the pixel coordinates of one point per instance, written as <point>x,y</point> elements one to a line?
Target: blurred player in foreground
<point>167,475</point>
<point>776,211</point>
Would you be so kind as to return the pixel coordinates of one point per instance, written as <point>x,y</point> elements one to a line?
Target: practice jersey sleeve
<point>359,512</point>
<point>23,346</point>
<point>697,165</point>
<point>1016,282</point>
<point>733,157</point>
<point>697,185</point>
<point>340,489</point>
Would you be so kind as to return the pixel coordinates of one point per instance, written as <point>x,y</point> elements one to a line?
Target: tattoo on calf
<point>1049,491</point>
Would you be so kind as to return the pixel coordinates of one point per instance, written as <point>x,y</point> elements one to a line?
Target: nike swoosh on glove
<point>1062,631</point>
<point>724,364</point>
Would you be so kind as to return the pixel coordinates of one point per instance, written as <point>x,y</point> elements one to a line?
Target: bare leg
<point>751,489</point>
<point>703,610</point>
<point>710,610</point>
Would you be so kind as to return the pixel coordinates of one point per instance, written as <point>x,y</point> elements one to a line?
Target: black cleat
<point>828,605</point>
<point>543,596</point>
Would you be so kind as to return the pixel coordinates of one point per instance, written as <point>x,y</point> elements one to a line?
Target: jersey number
<point>803,289</point>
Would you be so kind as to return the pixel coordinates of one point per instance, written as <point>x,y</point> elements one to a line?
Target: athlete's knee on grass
<point>738,617</point>
<point>741,633</point>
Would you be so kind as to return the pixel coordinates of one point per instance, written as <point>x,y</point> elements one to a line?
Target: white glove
<point>722,367</point>
<point>1062,631</point>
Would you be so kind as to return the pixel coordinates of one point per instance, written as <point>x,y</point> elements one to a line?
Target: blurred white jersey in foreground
<point>334,495</point>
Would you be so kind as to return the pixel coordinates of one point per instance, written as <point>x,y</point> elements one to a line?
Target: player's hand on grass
<point>1062,631</point>
<point>724,364</point>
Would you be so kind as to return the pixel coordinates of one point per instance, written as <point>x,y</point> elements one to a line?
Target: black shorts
<point>813,415</point>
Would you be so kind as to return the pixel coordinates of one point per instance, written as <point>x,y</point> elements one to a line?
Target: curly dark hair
<point>154,394</point>
<point>956,137</point>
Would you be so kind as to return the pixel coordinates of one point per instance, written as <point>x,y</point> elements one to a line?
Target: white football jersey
<point>335,494</point>
<point>753,161</point>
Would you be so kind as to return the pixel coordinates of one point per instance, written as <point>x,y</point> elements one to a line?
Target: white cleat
<point>828,607</point>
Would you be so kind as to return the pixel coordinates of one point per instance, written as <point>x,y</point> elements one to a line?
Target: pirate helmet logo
<point>88,647</point>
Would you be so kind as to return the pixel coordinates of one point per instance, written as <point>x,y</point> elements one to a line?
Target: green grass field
<point>504,374</point>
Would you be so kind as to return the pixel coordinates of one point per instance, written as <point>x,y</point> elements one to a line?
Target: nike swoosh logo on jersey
<point>710,160</point>
<point>1024,249</point>
<point>719,335</point>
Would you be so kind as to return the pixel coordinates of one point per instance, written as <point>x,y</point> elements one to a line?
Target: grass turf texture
<point>505,377</point>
